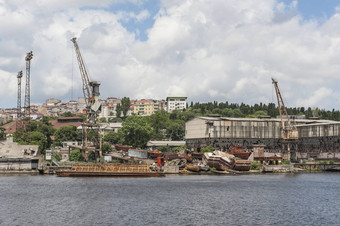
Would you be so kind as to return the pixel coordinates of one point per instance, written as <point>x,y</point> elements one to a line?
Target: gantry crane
<point>93,105</point>
<point>288,129</point>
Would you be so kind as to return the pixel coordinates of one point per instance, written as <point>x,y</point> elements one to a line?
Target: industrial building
<point>317,139</point>
<point>19,158</point>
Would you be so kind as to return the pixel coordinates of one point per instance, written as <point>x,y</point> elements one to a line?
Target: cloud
<point>208,50</point>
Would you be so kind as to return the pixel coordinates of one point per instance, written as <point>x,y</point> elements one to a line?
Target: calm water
<point>303,199</point>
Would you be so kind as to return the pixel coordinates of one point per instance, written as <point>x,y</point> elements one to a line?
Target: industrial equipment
<point>93,107</point>
<point>19,123</point>
<point>27,107</point>
<point>288,130</point>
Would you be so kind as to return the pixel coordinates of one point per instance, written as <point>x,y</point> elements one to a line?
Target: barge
<point>112,170</point>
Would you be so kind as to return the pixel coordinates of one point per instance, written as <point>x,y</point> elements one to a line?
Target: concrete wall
<point>15,165</point>
<point>319,130</point>
<point>205,127</point>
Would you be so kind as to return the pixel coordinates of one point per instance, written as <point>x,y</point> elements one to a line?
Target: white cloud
<point>209,50</point>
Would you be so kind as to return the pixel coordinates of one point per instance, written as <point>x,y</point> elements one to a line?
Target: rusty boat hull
<point>110,170</point>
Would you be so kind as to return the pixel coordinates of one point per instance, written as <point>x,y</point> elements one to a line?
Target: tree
<point>102,120</point>
<point>68,114</point>
<point>111,137</point>
<point>66,133</point>
<point>2,133</point>
<point>76,155</point>
<point>106,148</point>
<point>159,121</point>
<point>176,131</point>
<point>125,106</point>
<point>136,131</point>
<point>37,138</point>
<point>118,110</point>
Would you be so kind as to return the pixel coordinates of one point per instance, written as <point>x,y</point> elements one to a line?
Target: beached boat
<point>238,152</point>
<point>114,170</point>
<point>241,165</point>
<point>193,168</point>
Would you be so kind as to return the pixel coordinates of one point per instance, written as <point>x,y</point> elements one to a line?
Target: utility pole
<point>27,110</point>
<point>19,124</point>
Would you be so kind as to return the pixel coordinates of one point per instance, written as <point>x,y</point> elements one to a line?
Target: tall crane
<point>288,129</point>
<point>27,108</point>
<point>19,124</point>
<point>93,105</point>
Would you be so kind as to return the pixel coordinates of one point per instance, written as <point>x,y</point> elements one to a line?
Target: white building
<point>176,103</point>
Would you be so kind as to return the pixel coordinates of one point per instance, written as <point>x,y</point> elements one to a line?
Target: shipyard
<point>182,112</point>
<point>208,144</point>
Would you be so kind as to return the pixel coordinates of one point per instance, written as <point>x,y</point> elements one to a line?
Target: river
<point>272,199</point>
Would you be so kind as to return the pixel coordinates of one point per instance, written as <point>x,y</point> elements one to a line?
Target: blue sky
<point>152,6</point>
<point>319,10</point>
<point>316,9</point>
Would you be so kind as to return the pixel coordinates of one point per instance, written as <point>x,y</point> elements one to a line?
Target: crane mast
<point>93,105</point>
<point>27,108</point>
<point>288,130</point>
<point>19,123</point>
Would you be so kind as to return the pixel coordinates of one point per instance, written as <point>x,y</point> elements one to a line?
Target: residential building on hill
<point>147,106</point>
<point>176,103</point>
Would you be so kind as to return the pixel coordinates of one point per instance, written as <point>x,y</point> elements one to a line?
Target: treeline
<point>227,109</point>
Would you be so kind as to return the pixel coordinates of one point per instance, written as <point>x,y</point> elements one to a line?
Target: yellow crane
<point>288,129</point>
<point>93,105</point>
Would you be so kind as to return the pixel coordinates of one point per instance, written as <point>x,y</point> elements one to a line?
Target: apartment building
<point>176,103</point>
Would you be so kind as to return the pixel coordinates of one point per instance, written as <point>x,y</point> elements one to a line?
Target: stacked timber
<point>135,170</point>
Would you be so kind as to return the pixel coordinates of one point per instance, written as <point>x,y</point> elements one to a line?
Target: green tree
<point>176,131</point>
<point>103,120</point>
<point>159,122</point>
<point>37,138</point>
<point>106,148</point>
<point>118,110</point>
<point>76,155</point>
<point>66,133</point>
<point>111,137</point>
<point>125,106</point>
<point>2,133</point>
<point>68,114</point>
<point>136,131</point>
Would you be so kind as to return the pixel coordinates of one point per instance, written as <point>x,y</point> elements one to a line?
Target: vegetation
<point>118,110</point>
<point>254,165</point>
<point>106,148</point>
<point>207,149</point>
<point>76,155</point>
<point>68,114</point>
<point>2,133</point>
<point>56,156</point>
<point>67,133</point>
<point>111,137</point>
<point>285,161</point>
<point>125,106</point>
<point>227,109</point>
<point>136,131</point>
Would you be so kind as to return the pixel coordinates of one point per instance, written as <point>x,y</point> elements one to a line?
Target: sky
<point>207,50</point>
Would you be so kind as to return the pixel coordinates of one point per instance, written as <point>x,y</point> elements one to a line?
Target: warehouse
<point>318,138</point>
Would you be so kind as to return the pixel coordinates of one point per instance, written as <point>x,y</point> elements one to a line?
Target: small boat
<point>238,152</point>
<point>193,168</point>
<point>241,164</point>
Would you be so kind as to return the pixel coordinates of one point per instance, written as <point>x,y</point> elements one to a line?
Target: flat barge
<point>109,170</point>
